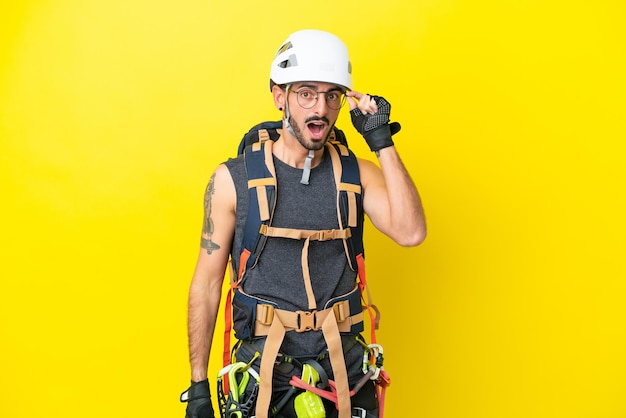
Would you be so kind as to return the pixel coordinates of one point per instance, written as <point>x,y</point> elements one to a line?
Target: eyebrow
<point>314,87</point>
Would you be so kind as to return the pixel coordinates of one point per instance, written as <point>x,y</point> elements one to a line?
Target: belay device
<point>341,315</point>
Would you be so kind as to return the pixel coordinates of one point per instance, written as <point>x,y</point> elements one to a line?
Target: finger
<point>353,97</point>
<point>351,102</point>
<point>355,94</point>
<point>368,105</point>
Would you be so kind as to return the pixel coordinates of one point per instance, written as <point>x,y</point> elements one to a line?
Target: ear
<point>279,97</point>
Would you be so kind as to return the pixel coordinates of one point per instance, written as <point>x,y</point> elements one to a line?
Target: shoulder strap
<point>262,199</point>
<point>350,214</point>
<point>349,198</point>
<point>259,133</point>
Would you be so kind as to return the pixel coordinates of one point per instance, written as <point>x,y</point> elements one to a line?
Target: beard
<point>310,144</point>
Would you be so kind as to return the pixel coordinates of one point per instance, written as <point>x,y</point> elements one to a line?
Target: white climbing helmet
<point>312,55</point>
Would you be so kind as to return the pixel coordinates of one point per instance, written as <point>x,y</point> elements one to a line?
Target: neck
<point>288,150</point>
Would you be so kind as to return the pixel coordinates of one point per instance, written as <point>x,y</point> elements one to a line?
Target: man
<point>310,79</point>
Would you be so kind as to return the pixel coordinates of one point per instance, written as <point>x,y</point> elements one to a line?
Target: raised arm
<point>390,198</point>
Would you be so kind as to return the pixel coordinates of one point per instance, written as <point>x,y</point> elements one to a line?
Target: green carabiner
<point>238,387</point>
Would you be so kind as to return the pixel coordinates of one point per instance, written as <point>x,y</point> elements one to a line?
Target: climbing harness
<point>251,317</point>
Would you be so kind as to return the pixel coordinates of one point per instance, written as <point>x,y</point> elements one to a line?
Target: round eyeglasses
<point>307,98</point>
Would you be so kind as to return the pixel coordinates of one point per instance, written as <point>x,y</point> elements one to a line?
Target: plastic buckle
<point>306,321</point>
<point>341,310</point>
<point>326,235</point>
<point>362,413</point>
<point>265,315</point>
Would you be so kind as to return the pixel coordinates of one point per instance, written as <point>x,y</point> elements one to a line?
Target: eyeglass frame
<point>317,95</point>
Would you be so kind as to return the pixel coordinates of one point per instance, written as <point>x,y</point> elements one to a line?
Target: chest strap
<point>307,236</point>
<point>301,321</point>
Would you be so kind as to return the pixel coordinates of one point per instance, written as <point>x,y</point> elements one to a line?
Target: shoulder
<point>234,163</point>
<point>222,183</point>
<point>370,172</point>
<point>236,168</point>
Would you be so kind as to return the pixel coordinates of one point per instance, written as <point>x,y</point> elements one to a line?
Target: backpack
<point>251,317</point>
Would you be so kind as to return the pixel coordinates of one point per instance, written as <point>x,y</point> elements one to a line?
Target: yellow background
<point>114,113</point>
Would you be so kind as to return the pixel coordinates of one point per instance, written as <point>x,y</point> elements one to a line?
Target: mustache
<point>316,118</point>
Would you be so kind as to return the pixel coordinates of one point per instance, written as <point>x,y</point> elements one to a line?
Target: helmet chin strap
<point>287,112</point>
<point>306,172</point>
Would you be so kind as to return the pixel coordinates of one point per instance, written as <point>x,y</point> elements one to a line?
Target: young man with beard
<point>310,81</point>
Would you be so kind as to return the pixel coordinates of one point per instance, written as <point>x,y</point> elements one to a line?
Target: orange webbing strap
<point>228,317</point>
<point>383,380</point>
<point>243,260</point>
<point>382,383</point>
<point>228,325</point>
<point>372,310</point>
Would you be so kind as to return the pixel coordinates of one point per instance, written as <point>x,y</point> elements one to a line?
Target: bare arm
<point>206,285</point>
<point>390,198</point>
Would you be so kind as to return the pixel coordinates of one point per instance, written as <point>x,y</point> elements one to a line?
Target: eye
<point>306,94</point>
<point>332,96</point>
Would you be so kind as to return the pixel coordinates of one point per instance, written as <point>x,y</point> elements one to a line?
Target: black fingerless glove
<point>198,398</point>
<point>376,128</point>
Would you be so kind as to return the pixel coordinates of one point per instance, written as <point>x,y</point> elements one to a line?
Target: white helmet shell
<point>312,55</point>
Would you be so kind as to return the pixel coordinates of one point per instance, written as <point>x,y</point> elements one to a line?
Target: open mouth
<point>316,128</point>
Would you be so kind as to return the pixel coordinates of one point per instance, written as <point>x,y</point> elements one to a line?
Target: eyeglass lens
<point>308,97</point>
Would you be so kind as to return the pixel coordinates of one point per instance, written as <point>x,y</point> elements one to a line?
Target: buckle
<point>358,412</point>
<point>306,321</point>
<point>341,310</point>
<point>265,314</point>
<point>326,235</point>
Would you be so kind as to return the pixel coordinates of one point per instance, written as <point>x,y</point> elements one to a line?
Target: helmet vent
<point>292,61</point>
<point>286,46</point>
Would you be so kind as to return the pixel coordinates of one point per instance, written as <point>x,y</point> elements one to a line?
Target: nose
<point>320,107</point>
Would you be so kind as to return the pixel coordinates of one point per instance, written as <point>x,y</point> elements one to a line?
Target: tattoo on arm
<point>207,228</point>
